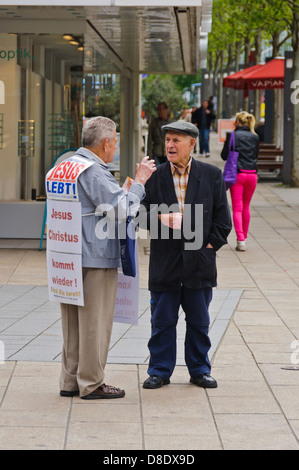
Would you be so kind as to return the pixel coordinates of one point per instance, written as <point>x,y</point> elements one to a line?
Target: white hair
<point>96,129</point>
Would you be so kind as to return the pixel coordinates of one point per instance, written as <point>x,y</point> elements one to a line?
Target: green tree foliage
<point>185,81</point>
<point>106,103</point>
<point>241,21</point>
<point>156,88</point>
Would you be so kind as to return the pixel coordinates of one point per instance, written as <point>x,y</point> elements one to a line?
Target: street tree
<point>158,88</point>
<point>294,7</point>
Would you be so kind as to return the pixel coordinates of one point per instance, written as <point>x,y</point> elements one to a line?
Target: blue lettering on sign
<point>60,187</point>
<point>68,187</point>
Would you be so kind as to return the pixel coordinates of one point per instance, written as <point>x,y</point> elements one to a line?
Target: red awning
<point>236,80</point>
<point>270,75</point>
<point>258,77</point>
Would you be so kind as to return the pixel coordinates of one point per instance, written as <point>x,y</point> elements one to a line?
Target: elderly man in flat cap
<point>187,200</point>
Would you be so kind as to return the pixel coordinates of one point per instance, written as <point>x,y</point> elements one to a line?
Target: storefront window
<point>40,108</point>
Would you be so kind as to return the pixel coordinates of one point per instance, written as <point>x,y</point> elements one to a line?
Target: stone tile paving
<point>30,327</point>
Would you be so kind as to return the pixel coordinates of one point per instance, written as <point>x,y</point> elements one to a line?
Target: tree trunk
<point>227,90</point>
<point>275,44</point>
<point>210,71</point>
<point>246,64</point>
<point>258,51</point>
<point>220,87</point>
<point>275,53</point>
<point>295,125</point>
<point>215,76</point>
<point>237,67</point>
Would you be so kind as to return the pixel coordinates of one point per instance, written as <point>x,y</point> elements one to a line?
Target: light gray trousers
<point>87,331</point>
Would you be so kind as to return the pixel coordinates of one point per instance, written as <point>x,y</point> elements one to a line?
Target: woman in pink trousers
<point>247,144</point>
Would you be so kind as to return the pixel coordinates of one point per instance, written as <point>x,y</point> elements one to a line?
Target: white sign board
<point>61,181</point>
<point>64,248</point>
<point>224,126</point>
<point>64,278</point>
<point>64,244</point>
<point>64,226</point>
<point>127,298</point>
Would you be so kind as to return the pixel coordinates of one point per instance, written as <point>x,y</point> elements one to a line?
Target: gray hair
<point>96,129</point>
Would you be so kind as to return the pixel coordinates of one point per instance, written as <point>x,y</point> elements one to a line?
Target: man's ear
<point>192,142</point>
<point>104,144</point>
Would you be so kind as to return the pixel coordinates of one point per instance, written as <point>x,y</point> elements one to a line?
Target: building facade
<point>56,60</point>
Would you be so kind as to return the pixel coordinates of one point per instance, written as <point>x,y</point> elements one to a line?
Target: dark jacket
<point>171,264</point>
<point>247,144</point>
<point>156,138</point>
<point>197,118</point>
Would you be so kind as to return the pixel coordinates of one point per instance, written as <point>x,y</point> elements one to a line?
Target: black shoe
<point>67,393</point>
<point>154,381</point>
<point>204,380</point>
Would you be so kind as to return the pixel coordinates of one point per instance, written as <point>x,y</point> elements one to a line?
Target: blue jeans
<point>162,344</point>
<point>204,137</point>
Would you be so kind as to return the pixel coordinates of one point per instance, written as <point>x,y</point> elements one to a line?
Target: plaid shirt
<point>180,181</point>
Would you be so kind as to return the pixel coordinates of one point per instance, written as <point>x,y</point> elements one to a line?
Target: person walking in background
<point>180,274</point>
<point>212,108</point>
<point>211,103</point>
<point>155,142</point>
<point>186,115</point>
<point>202,118</point>
<point>197,139</point>
<point>247,144</point>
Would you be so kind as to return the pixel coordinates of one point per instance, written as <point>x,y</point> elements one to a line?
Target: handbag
<point>230,168</point>
<point>127,249</point>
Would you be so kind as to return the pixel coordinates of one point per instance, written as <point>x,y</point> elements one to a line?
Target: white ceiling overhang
<point>148,36</point>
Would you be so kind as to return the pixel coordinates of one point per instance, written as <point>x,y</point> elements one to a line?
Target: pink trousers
<point>241,195</point>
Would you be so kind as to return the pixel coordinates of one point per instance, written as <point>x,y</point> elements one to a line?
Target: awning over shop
<point>270,75</point>
<point>237,79</point>
<point>258,77</point>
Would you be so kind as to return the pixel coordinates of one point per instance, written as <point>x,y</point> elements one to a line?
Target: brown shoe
<point>105,391</point>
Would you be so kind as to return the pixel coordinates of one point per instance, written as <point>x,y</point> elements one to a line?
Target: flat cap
<point>181,126</point>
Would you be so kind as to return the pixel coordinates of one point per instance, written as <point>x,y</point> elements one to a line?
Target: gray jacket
<point>100,193</point>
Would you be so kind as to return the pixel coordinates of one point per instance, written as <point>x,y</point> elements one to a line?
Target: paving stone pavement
<point>255,353</point>
<point>30,326</point>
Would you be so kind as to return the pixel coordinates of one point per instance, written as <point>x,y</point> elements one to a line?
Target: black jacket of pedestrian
<point>171,264</point>
<point>197,117</point>
<point>247,144</point>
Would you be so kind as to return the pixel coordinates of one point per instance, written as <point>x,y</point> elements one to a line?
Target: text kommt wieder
<point>21,53</point>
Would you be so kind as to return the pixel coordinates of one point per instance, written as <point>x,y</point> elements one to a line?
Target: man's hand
<point>172,220</point>
<point>144,170</point>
